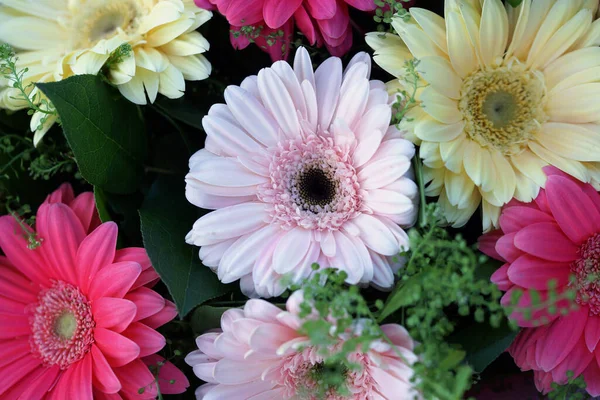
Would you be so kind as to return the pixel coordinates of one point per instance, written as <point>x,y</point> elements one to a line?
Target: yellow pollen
<point>65,325</point>
<point>104,21</point>
<point>503,108</point>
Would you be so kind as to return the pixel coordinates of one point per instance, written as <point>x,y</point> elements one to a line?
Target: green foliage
<point>206,317</point>
<point>573,390</point>
<point>10,71</point>
<point>104,131</point>
<point>166,218</point>
<point>514,3</point>
<point>254,32</point>
<point>387,9</point>
<point>406,98</point>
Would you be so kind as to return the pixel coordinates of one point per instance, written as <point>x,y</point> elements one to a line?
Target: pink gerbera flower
<point>554,238</point>
<point>77,317</point>
<point>321,21</point>
<point>260,355</point>
<point>302,167</point>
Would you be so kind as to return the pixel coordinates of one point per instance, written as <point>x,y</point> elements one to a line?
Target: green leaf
<point>182,110</point>
<point>483,343</point>
<point>103,129</point>
<point>514,3</point>
<point>207,317</point>
<point>122,209</point>
<point>166,217</point>
<point>399,297</point>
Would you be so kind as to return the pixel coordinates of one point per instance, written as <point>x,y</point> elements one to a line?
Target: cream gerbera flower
<point>56,39</point>
<point>507,91</point>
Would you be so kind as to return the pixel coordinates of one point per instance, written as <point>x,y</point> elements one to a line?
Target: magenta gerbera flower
<point>303,167</point>
<point>78,317</point>
<point>555,238</point>
<point>259,354</point>
<point>321,21</point>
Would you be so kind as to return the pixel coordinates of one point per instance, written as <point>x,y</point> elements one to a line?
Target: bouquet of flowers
<point>299,199</point>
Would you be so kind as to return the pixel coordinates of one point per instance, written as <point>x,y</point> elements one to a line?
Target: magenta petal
<point>576,361</point>
<point>339,47</point>
<point>500,278</point>
<point>84,206</point>
<point>116,314</point>
<point>104,379</point>
<point>546,240</point>
<point>505,246</point>
<point>205,4</point>
<point>96,252</point>
<point>534,273</point>
<point>592,379</point>
<point>62,234</point>
<point>574,211</point>
<point>41,384</point>
<point>12,326</point>
<point>561,338</point>
<point>487,244</point>
<point>81,384</point>
<point>16,287</point>
<point>277,12</point>
<point>592,332</point>
<point>134,377</point>
<point>363,5</point>
<point>542,202</point>
<point>14,245</point>
<point>117,349</point>
<point>165,315</point>
<point>170,379</point>
<point>12,350</point>
<point>321,9</point>
<point>147,301</point>
<point>306,25</point>
<point>245,12</point>
<point>149,340</point>
<point>335,27</point>
<point>516,218</point>
<point>13,373</point>
<point>64,194</point>
<point>114,280</point>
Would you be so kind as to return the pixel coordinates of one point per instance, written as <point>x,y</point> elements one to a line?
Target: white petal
<point>278,101</point>
<point>376,235</point>
<point>291,249</point>
<point>328,80</point>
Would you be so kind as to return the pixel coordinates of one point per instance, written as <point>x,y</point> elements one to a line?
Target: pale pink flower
<point>553,238</point>
<point>321,21</point>
<point>77,316</point>
<point>303,167</point>
<point>260,355</point>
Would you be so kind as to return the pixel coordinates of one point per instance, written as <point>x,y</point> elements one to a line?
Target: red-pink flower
<point>321,21</point>
<point>259,355</point>
<point>555,238</point>
<point>77,316</point>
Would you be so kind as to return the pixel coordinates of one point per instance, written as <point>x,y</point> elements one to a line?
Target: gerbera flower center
<point>587,273</point>
<point>62,325</point>
<point>313,184</point>
<point>503,107</point>
<point>103,21</point>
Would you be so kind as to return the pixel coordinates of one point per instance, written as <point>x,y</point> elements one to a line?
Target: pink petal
<point>114,280</point>
<point>13,373</point>
<point>96,252</point>
<point>148,302</point>
<point>592,379</point>
<point>487,244</point>
<point>306,24</point>
<point>64,194</point>
<point>267,338</point>
<point>542,202</point>
<point>135,376</point>
<point>104,378</point>
<point>261,310</point>
<point>165,315</point>
<point>138,254</point>
<point>62,234</point>
<point>546,240</point>
<point>321,9</point>
<point>574,211</point>
<point>12,350</point>
<point>117,349</point>
<point>232,372</point>
<point>244,12</point>
<point>576,361</point>
<point>516,218</point>
<point>41,384</point>
<point>12,325</point>
<point>81,384</point>
<point>84,206</point>
<point>534,273</point>
<point>112,313</point>
<point>561,338</point>
<point>277,12</point>
<point>398,335</point>
<point>14,246</point>
<point>363,5</point>
<point>170,379</point>
<point>505,246</point>
<point>336,26</point>
<point>592,332</point>
<point>149,340</point>
<point>16,287</point>
<point>500,277</point>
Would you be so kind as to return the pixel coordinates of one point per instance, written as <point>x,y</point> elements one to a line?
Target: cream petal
<point>430,154</point>
<point>432,24</point>
<point>41,34</point>
<point>532,16</point>
<point>89,63</point>
<point>571,141</point>
<point>589,39</point>
<point>439,106</point>
<point>434,179</point>
<point>162,13</point>
<point>419,44</point>
<point>526,189</point>
<point>493,32</point>
<point>452,153</point>
<point>460,50</point>
<point>459,188</point>
<point>171,83</point>
<point>193,68</point>
<point>490,215</point>
<point>440,74</point>
<point>133,90</point>
<point>573,168</point>
<point>518,18</point>
<point>186,45</point>
<point>151,59</point>
<point>570,64</point>
<point>431,130</point>
<point>530,165</point>
<point>575,105</point>
<point>504,189</point>
<point>474,161</point>
<point>165,33</point>
<point>589,75</point>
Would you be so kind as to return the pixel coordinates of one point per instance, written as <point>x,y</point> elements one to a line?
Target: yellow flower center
<point>103,20</point>
<point>503,108</point>
<point>65,325</point>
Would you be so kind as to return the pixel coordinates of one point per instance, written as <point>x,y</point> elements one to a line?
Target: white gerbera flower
<point>56,39</point>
